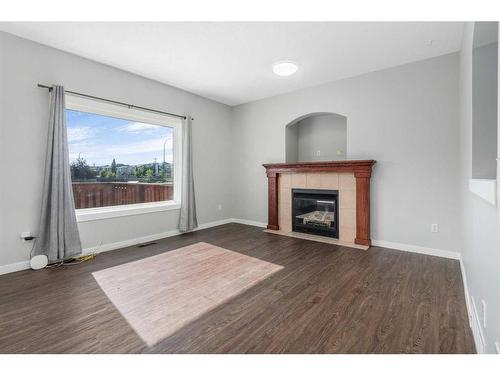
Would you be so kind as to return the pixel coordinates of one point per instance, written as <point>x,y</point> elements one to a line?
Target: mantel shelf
<point>355,166</point>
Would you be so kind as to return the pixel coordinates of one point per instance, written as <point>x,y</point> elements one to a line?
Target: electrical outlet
<point>219,207</point>
<point>318,153</point>
<point>483,304</point>
<point>434,228</point>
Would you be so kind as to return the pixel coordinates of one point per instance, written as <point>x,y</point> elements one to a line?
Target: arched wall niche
<point>316,136</point>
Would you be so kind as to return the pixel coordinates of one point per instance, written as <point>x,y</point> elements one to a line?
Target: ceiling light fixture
<point>285,68</point>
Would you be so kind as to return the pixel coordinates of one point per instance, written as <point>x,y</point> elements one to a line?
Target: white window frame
<point>78,103</point>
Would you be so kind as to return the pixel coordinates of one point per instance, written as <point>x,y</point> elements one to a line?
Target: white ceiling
<point>231,62</point>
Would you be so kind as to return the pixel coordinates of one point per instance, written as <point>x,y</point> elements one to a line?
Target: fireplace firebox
<point>315,211</point>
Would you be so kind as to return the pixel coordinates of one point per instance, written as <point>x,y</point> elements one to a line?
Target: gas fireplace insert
<point>315,211</point>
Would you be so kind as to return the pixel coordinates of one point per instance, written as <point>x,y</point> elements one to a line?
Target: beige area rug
<point>161,294</point>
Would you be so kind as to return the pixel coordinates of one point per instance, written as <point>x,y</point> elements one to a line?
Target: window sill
<point>99,213</point>
<point>485,189</point>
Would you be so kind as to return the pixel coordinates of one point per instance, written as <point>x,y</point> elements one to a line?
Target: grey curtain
<point>58,236</point>
<point>187,219</point>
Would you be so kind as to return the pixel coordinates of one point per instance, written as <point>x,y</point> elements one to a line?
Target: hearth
<point>315,211</point>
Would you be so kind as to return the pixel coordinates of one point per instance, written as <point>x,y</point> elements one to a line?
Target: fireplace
<point>350,177</point>
<point>315,211</point>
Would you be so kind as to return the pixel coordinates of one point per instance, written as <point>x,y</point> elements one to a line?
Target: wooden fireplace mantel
<point>362,170</point>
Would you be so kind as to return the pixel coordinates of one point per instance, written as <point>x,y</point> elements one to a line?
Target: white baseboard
<point>154,237</point>
<point>417,249</point>
<point>214,224</point>
<point>249,222</point>
<point>8,268</point>
<point>477,329</point>
<point>14,267</point>
<point>466,291</point>
<point>474,322</point>
<point>127,243</point>
<point>150,238</point>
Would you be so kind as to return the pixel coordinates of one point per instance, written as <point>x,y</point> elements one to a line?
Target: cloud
<point>77,134</point>
<point>140,127</point>
<point>139,147</point>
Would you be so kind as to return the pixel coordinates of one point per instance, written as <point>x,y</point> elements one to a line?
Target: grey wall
<point>323,135</point>
<point>484,111</point>
<point>406,118</point>
<point>292,144</point>
<point>23,118</point>
<point>480,223</point>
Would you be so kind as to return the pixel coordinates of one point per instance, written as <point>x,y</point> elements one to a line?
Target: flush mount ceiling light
<point>285,68</point>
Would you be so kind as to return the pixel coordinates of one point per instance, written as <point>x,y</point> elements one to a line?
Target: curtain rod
<point>116,102</point>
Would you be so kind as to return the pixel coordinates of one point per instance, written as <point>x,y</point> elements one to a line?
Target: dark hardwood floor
<point>326,299</point>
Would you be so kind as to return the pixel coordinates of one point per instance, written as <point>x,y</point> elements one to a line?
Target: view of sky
<point>98,139</point>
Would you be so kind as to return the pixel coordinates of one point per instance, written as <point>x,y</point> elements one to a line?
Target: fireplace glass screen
<point>315,211</point>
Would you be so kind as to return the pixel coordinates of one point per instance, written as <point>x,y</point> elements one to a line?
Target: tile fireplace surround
<point>350,177</point>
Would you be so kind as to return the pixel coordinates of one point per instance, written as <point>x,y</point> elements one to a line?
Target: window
<point>123,161</point>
